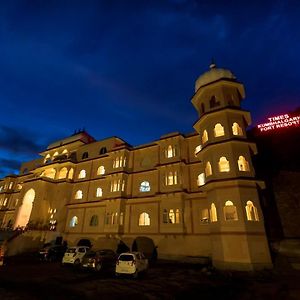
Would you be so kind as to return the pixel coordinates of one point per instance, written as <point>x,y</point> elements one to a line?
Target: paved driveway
<point>26,278</point>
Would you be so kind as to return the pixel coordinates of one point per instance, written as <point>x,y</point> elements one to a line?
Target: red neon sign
<point>281,121</point>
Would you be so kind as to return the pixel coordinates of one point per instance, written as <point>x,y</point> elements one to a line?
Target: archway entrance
<point>25,209</point>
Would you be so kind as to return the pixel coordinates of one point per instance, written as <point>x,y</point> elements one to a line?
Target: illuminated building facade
<point>193,195</point>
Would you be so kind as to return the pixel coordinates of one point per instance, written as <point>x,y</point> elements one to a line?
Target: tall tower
<point>228,177</point>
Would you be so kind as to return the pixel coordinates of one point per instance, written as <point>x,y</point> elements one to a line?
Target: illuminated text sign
<point>278,122</point>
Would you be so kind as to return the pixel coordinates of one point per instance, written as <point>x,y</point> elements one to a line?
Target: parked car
<point>99,259</point>
<point>131,263</point>
<point>52,252</point>
<point>74,255</point>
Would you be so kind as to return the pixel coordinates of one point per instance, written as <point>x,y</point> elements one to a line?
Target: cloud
<point>18,141</point>
<point>9,166</point>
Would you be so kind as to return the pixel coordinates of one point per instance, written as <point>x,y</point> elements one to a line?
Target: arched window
<point>171,216</point>
<point>230,212</point>
<point>204,137</point>
<point>54,155</point>
<point>197,149</point>
<point>170,151</point>
<point>177,216</point>
<point>85,155</point>
<point>94,220</point>
<point>121,218</point>
<point>213,102</point>
<point>78,194</point>
<point>101,170</point>
<point>62,173</point>
<point>201,179</point>
<point>208,169</point>
<point>99,192</point>
<point>145,186</point>
<point>50,173</point>
<point>251,211</point>
<point>144,219</point>
<point>224,164</point>
<point>204,216</point>
<point>65,151</point>
<point>71,173</point>
<point>103,150</point>
<point>171,178</point>
<point>47,158</point>
<point>236,129</point>
<point>165,216</point>
<point>243,164</point>
<point>82,174</point>
<point>74,222</point>
<point>218,130</point>
<point>213,213</point>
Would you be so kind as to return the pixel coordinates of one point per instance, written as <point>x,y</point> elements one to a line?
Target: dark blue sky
<point>127,68</point>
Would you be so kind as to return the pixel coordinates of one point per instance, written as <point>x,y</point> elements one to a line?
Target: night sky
<point>127,68</point>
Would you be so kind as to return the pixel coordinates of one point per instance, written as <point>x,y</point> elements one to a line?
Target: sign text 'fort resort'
<point>281,121</point>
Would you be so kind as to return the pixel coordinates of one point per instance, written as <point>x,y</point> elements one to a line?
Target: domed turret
<point>213,75</point>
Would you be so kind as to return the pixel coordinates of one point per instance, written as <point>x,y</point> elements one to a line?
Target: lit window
<point>145,186</point>
<point>82,174</point>
<point>177,216</point>
<point>101,170</point>
<point>204,216</point>
<point>71,173</point>
<point>99,192</point>
<point>173,217</point>
<point>115,185</point>
<point>62,173</point>
<point>19,186</point>
<point>1,187</point>
<point>65,151</point>
<point>79,194</point>
<point>218,130</point>
<point>54,155</point>
<point>144,219</point>
<point>47,158</point>
<point>198,149</point>
<point>224,164</point>
<point>85,155</point>
<point>119,162</point>
<point>10,185</point>
<point>50,173</point>
<point>213,213</point>
<point>74,222</point>
<point>171,179</point>
<point>94,220</point>
<point>5,202</point>
<point>16,202</point>
<point>230,212</point>
<point>201,179</point>
<point>204,137</point>
<point>121,218</point>
<point>251,211</point>
<point>208,169</point>
<point>243,164</point>
<point>236,129</point>
<point>171,152</point>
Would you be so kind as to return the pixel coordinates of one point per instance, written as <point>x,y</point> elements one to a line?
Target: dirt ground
<point>27,278</point>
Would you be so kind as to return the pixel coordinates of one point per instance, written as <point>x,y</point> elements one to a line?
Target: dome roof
<point>212,75</point>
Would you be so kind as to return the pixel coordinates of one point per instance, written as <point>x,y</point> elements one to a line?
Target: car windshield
<point>90,254</point>
<point>71,250</point>
<point>126,257</point>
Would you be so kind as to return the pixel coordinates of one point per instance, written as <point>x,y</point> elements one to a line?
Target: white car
<point>74,255</point>
<point>131,263</point>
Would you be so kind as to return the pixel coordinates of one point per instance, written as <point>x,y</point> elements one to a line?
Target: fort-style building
<point>193,195</point>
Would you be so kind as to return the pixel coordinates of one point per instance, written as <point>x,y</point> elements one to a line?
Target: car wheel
<point>98,267</point>
<point>77,262</point>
